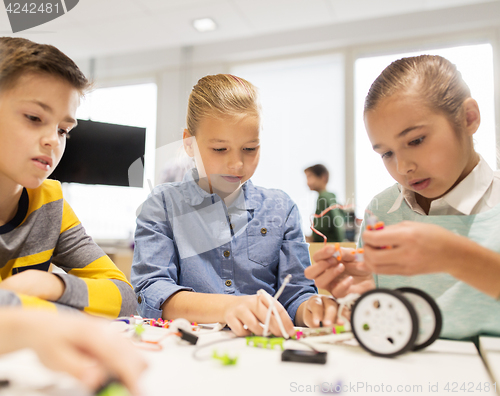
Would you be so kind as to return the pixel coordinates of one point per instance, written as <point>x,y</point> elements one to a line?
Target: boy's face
<point>229,149</point>
<point>419,147</point>
<point>35,116</point>
<point>314,182</point>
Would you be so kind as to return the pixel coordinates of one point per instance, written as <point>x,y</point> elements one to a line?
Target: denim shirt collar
<point>194,195</point>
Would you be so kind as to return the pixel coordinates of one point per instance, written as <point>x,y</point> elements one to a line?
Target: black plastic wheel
<point>430,319</point>
<point>384,322</point>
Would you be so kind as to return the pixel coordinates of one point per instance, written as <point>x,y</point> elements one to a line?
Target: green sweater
<point>332,223</point>
<point>466,311</point>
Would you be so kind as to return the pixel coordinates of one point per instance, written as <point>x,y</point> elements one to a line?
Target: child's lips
<point>419,184</point>
<point>43,162</point>
<point>232,179</point>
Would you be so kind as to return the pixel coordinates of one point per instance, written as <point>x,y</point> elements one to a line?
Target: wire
<point>272,308</point>
<point>195,352</point>
<point>317,216</point>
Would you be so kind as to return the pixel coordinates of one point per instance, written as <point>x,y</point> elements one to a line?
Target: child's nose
<point>235,162</point>
<point>404,165</point>
<point>50,137</point>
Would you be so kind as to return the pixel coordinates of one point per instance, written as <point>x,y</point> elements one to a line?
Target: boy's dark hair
<point>319,171</point>
<point>19,56</point>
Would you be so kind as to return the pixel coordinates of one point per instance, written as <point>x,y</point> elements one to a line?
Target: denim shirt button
<point>228,283</point>
<point>139,299</point>
<point>263,231</point>
<point>227,253</point>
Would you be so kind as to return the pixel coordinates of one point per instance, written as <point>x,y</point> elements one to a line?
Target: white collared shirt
<point>478,192</point>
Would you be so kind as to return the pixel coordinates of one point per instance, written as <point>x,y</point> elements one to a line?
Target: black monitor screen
<point>100,153</point>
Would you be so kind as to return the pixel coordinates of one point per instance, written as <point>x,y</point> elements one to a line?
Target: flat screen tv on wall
<point>101,153</point>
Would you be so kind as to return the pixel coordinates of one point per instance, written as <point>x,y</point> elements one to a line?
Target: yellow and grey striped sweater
<point>46,230</point>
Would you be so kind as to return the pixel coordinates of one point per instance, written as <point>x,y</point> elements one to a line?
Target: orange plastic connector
<point>337,253</point>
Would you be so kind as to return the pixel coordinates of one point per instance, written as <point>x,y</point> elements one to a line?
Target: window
<point>109,212</point>
<point>475,62</point>
<point>303,124</point>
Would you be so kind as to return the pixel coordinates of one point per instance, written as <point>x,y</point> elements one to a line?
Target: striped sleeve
<point>12,299</point>
<point>93,283</point>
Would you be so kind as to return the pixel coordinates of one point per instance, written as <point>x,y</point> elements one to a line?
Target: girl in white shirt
<point>443,215</point>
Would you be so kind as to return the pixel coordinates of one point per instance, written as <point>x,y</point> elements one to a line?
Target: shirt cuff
<point>76,293</point>
<point>293,307</point>
<point>152,298</point>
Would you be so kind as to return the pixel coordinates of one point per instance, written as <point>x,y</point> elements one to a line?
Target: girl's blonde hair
<point>219,96</point>
<point>435,79</point>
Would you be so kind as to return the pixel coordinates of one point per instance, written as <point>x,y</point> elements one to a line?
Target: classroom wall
<point>176,70</point>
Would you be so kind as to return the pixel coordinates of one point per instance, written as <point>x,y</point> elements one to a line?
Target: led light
<point>204,25</point>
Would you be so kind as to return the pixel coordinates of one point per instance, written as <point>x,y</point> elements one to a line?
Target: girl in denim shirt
<point>206,245</point>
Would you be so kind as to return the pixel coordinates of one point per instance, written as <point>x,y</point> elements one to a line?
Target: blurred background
<point>313,61</point>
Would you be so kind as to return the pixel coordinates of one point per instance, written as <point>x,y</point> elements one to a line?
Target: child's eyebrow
<point>217,141</point>
<point>408,130</point>
<point>49,110</point>
<point>401,134</point>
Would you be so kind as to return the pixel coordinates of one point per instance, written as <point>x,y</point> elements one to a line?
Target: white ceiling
<point>104,27</point>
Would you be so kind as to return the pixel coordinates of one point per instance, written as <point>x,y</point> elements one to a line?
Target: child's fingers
<point>329,277</point>
<point>315,308</point>
<point>329,311</point>
<point>347,254</point>
<point>313,271</point>
<point>392,269</point>
<point>273,324</point>
<point>389,236</point>
<point>248,318</point>
<point>324,253</point>
<point>114,353</point>
<point>375,256</point>
<point>237,327</point>
<point>342,289</point>
<point>68,358</point>
<point>275,329</point>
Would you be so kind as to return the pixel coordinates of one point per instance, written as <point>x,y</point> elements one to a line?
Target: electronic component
<point>296,355</point>
<point>187,336</point>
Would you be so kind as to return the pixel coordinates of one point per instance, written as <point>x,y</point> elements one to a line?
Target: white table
<point>490,351</point>
<point>173,371</point>
<point>261,372</point>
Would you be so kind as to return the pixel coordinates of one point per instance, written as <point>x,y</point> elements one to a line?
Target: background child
<point>40,90</point>
<point>217,234</point>
<point>443,216</point>
<point>330,225</point>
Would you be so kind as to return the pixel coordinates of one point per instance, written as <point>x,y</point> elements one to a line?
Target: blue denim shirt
<point>187,239</point>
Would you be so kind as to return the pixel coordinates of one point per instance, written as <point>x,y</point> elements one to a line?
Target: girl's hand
<point>339,278</point>
<point>319,311</point>
<point>41,284</point>
<point>249,314</point>
<point>79,345</point>
<point>413,248</point>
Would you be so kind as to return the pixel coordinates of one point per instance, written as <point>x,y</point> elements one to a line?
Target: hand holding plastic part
<point>247,314</point>
<point>340,279</point>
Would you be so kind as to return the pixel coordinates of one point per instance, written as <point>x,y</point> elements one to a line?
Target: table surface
<point>446,367</point>
<point>490,350</point>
